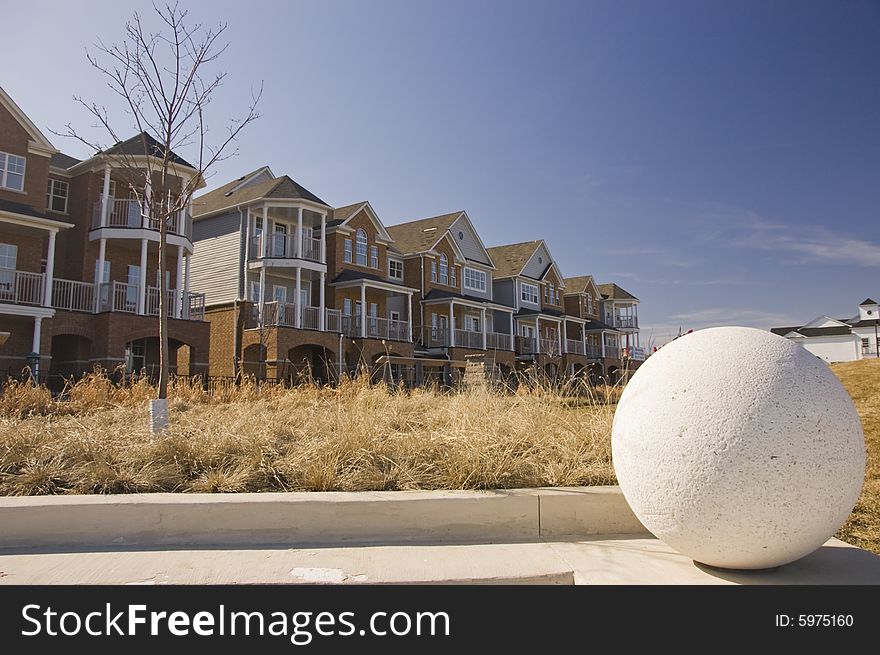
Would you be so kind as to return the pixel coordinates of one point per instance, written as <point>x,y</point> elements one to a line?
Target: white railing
<point>128,212</point>
<point>468,339</point>
<point>526,345</point>
<point>21,287</point>
<point>549,347</point>
<point>612,352</point>
<point>120,297</point>
<point>333,320</point>
<point>73,296</point>
<point>498,341</point>
<point>283,246</point>
<point>594,352</point>
<point>626,321</point>
<point>386,328</point>
<point>435,337</point>
<point>574,347</point>
<point>310,318</point>
<point>152,302</point>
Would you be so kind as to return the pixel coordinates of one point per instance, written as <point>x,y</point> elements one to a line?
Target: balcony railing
<point>129,212</point>
<point>333,321</point>
<point>498,341</point>
<point>574,347</point>
<point>626,321</point>
<point>468,339</point>
<point>435,337</point>
<point>21,287</point>
<point>549,347</point>
<point>526,345</point>
<point>283,246</point>
<point>593,351</point>
<point>73,296</point>
<point>612,352</point>
<point>386,328</point>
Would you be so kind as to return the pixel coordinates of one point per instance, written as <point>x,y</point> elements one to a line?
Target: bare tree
<point>163,80</point>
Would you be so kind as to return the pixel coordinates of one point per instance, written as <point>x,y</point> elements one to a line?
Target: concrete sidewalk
<point>523,536</point>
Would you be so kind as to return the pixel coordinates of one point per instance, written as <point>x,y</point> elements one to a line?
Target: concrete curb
<point>313,519</point>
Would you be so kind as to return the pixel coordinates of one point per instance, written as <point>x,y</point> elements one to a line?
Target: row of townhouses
<point>265,277</point>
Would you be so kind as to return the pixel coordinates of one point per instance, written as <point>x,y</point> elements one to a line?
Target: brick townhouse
<point>293,285</point>
<point>79,280</point>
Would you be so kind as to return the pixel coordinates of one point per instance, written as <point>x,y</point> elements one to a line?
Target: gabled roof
<point>553,266</point>
<point>579,283</point>
<point>341,216</point>
<point>614,292</point>
<point>420,236</point>
<point>798,331</point>
<point>60,160</point>
<point>39,139</point>
<point>824,322</point>
<point>868,301</point>
<point>228,195</point>
<point>512,258</point>
<point>144,144</point>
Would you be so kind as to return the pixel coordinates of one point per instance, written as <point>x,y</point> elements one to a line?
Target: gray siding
<point>523,303</point>
<point>503,291</point>
<point>480,294</point>
<point>468,241</point>
<point>216,261</point>
<point>535,267</point>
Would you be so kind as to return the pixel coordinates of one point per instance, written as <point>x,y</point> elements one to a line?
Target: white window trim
<point>14,249</point>
<point>444,264</point>
<point>523,286</point>
<point>255,291</point>
<point>365,243</point>
<point>347,251</point>
<point>400,263</point>
<point>275,289</point>
<point>374,257</point>
<point>50,195</point>
<point>4,172</point>
<point>477,273</point>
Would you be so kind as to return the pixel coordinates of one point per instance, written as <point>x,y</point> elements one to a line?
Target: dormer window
<point>12,171</point>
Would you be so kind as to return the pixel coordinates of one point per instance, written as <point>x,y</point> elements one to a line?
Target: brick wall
<point>14,140</point>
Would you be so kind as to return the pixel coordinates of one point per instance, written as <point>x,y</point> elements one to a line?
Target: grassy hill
<point>862,381</point>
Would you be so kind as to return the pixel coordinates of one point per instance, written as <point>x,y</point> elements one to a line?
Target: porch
<point>472,326</point>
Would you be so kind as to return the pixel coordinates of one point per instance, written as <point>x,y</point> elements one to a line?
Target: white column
<point>142,279</point>
<point>537,336</point>
<point>298,301</point>
<point>187,219</point>
<point>262,291</point>
<point>178,287</point>
<point>148,201</point>
<point>363,310</point>
<point>247,253</point>
<point>105,198</point>
<point>559,335</point>
<point>186,286</point>
<point>323,238</point>
<point>99,274</point>
<point>50,270</point>
<point>299,232</point>
<point>38,321</point>
<point>483,324</point>
<point>451,325</point>
<point>321,310</point>
<point>602,337</point>
<point>512,333</point>
<point>409,317</point>
<point>265,236</point>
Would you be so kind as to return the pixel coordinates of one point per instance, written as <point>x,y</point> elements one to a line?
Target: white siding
<point>216,263</point>
<point>538,263</point>
<point>468,241</point>
<point>836,348</point>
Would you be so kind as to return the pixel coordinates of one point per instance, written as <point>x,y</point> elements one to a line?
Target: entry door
<point>279,241</point>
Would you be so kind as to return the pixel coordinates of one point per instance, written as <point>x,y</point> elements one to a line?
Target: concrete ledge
<point>312,519</point>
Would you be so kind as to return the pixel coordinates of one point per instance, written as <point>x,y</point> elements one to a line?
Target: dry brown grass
<point>354,437</point>
<point>862,381</point>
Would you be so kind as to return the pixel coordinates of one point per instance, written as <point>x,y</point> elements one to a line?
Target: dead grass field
<point>862,381</point>
<point>354,437</point>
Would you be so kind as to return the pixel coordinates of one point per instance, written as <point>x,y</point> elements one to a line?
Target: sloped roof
<point>615,292</point>
<point>135,146</point>
<point>25,210</point>
<point>349,275</point>
<point>868,301</point>
<point>224,196</point>
<point>418,236</point>
<point>578,283</point>
<point>60,160</point>
<point>813,332</point>
<point>342,214</point>
<point>510,259</point>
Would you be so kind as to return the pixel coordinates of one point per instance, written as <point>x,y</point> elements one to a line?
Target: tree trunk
<point>163,309</point>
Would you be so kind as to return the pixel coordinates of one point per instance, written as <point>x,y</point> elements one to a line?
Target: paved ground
<point>606,560</point>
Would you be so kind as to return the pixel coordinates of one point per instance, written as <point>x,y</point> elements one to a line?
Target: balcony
<point>626,322</point>
<point>574,347</point>
<point>498,341</point>
<point>279,314</point>
<point>612,352</point>
<point>593,352</point>
<point>128,213</point>
<point>533,346</point>
<point>469,339</point>
<point>21,287</point>
<point>283,246</point>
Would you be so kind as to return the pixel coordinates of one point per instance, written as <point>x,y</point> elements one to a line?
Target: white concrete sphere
<point>738,448</point>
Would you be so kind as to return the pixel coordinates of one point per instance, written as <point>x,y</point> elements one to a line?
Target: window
<point>255,291</point>
<point>452,271</point>
<point>11,171</point>
<point>395,269</point>
<point>529,293</point>
<point>346,251</point>
<point>346,306</point>
<point>433,271</point>
<point>56,196</point>
<point>546,294</point>
<point>279,293</point>
<point>394,316</point>
<point>361,238</point>
<point>131,291</point>
<point>589,303</point>
<point>8,255</point>
<point>473,324</point>
<point>374,256</point>
<point>474,279</point>
<point>552,293</point>
<point>444,269</point>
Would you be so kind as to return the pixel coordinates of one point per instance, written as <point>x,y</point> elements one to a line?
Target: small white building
<point>839,340</point>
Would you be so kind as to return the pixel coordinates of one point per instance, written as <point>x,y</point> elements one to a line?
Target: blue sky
<point>720,160</point>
